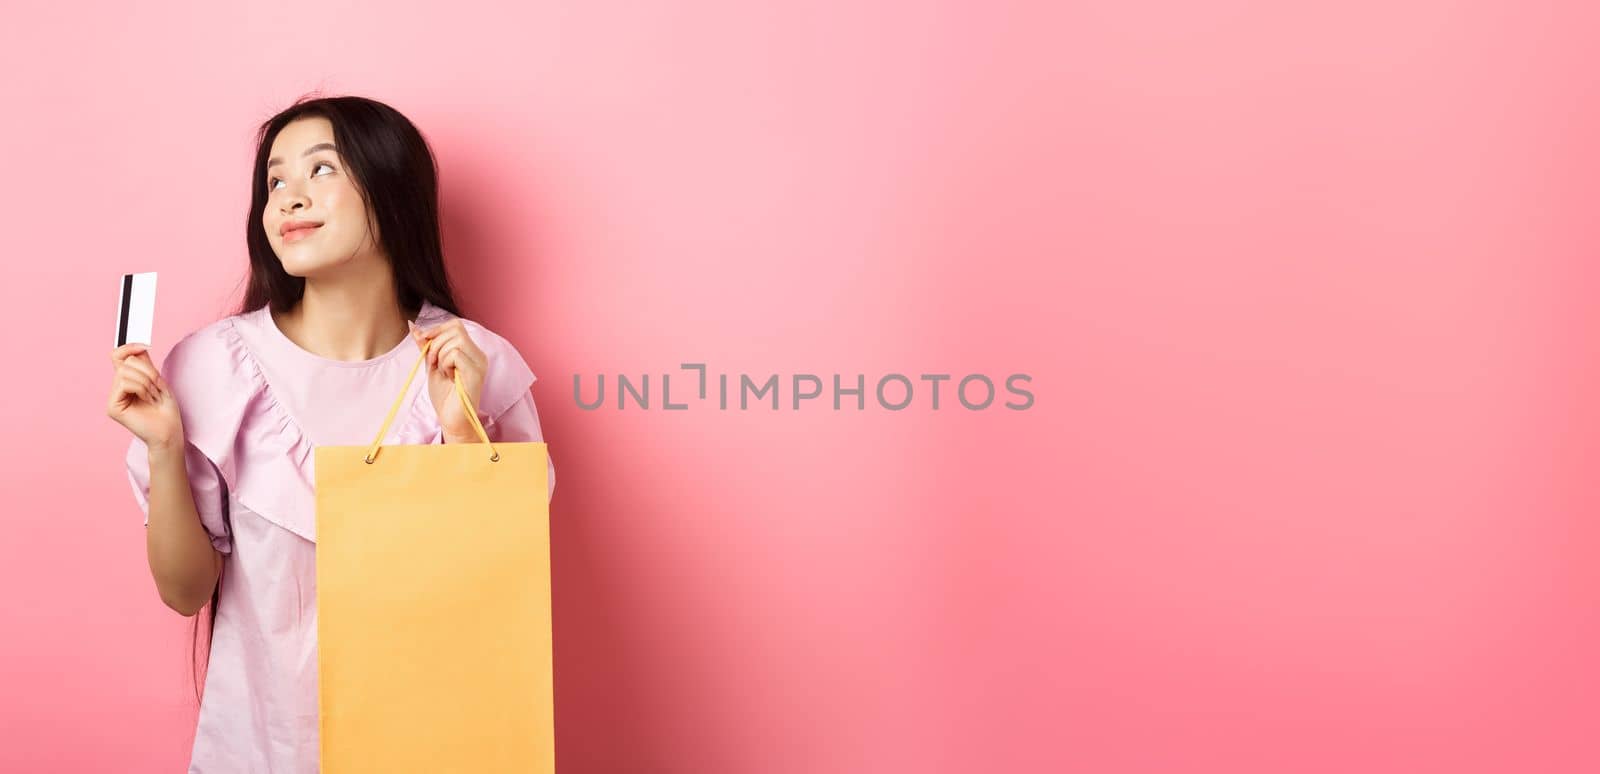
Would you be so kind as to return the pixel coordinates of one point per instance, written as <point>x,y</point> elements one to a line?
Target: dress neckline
<point>288,345</point>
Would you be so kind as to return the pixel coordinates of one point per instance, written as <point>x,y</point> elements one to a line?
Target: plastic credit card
<point>136,310</point>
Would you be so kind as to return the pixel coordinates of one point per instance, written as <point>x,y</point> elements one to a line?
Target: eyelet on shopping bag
<point>369,459</point>
<point>495,458</point>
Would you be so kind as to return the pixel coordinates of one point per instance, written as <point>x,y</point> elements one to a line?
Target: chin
<point>301,267</point>
<point>306,265</point>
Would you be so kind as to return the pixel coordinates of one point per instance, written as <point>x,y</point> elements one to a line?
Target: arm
<point>183,561</point>
<point>166,479</point>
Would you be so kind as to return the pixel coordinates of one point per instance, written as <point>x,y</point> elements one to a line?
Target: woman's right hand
<point>140,398</point>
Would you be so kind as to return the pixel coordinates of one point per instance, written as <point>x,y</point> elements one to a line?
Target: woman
<point>347,282</point>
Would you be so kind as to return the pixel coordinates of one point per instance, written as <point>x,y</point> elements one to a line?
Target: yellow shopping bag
<point>433,596</point>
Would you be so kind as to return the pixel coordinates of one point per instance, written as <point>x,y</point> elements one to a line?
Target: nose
<point>291,200</point>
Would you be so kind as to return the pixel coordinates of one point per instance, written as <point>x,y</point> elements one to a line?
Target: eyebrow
<point>274,161</point>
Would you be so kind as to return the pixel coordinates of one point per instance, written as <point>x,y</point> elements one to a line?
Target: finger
<point>445,328</point>
<point>417,337</point>
<point>466,344</point>
<point>441,342</point>
<point>123,393</point>
<point>473,359</point>
<point>126,350</point>
<point>435,330</point>
<point>137,385</point>
<point>471,367</point>
<point>460,358</point>
<point>125,386</point>
<point>139,359</point>
<point>151,376</point>
<point>143,367</point>
<point>421,340</point>
<point>448,354</point>
<point>151,392</point>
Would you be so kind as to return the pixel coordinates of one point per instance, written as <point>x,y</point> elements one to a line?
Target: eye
<point>272,182</point>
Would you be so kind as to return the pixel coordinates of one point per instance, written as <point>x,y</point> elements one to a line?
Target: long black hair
<point>393,167</point>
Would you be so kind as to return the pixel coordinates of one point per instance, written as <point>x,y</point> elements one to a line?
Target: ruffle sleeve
<point>205,485</point>
<point>196,373</point>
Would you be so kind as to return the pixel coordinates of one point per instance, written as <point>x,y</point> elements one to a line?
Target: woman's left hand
<point>452,350</point>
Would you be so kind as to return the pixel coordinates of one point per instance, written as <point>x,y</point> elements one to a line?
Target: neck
<point>347,318</point>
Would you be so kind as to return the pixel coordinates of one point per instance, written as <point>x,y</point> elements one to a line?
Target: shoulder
<point>216,384</point>
<point>500,351</point>
<point>210,355</point>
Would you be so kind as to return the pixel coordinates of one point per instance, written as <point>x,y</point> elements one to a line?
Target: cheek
<point>346,205</point>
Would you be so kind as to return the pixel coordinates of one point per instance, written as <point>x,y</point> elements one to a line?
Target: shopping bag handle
<point>472,411</point>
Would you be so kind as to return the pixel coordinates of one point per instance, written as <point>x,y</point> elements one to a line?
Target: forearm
<point>182,560</point>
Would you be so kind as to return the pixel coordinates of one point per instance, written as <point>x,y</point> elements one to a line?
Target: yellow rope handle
<point>472,411</point>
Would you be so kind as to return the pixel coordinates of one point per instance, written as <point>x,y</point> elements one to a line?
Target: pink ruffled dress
<point>254,405</point>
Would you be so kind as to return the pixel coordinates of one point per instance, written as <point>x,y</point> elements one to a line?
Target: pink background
<point>1307,296</point>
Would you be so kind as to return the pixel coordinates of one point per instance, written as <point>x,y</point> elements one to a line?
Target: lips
<point>292,227</point>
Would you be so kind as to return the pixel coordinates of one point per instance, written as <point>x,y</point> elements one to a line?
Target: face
<point>307,181</point>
